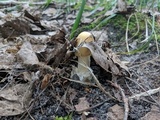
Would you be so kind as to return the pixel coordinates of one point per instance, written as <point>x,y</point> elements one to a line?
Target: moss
<point>116,26</point>
<point>119,21</point>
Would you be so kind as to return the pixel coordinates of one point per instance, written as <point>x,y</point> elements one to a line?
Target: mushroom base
<point>84,76</point>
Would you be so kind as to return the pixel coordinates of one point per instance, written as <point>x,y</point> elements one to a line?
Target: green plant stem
<point>78,18</point>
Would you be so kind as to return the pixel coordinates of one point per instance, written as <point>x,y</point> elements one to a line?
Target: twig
<point>144,94</point>
<point>155,58</point>
<point>63,98</point>
<point>129,87</point>
<point>77,81</point>
<point>32,103</point>
<point>29,114</point>
<point>125,100</point>
<point>90,84</point>
<point>25,113</point>
<point>12,2</point>
<point>100,86</point>
<point>97,105</point>
<point>127,46</point>
<point>148,94</point>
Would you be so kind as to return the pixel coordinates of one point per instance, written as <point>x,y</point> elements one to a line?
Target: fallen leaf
<point>101,39</point>
<point>27,76</point>
<point>72,94</point>
<point>102,58</point>
<point>83,104</point>
<point>154,114</point>
<point>15,99</point>
<point>27,54</point>
<point>45,81</point>
<point>39,48</point>
<point>59,36</point>
<point>91,118</point>
<point>6,59</point>
<point>115,112</point>
<point>116,60</point>
<point>28,15</point>
<point>49,12</point>
<point>58,56</point>
<point>87,20</point>
<point>14,28</point>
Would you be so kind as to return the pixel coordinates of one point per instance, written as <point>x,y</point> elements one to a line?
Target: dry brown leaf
<point>116,60</point>
<point>14,28</point>
<point>58,56</point>
<point>27,54</point>
<point>28,15</point>
<point>115,112</point>
<point>102,58</point>
<point>14,99</point>
<point>49,12</point>
<point>92,118</point>
<point>87,20</point>
<point>110,12</point>
<point>72,94</point>
<point>45,81</point>
<point>27,76</point>
<point>59,36</point>
<point>154,114</point>
<point>39,48</point>
<point>6,60</point>
<point>83,104</point>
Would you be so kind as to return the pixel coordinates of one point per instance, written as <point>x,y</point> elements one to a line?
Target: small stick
<point>153,91</point>
<point>146,93</point>
<point>97,105</point>
<point>100,86</point>
<point>13,2</point>
<point>77,81</point>
<point>125,100</point>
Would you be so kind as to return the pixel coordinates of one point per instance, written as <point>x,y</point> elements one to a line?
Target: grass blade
<point>78,18</point>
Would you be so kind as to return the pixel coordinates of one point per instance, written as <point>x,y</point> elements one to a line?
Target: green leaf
<point>68,117</point>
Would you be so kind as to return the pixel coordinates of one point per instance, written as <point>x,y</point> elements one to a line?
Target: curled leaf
<point>102,58</point>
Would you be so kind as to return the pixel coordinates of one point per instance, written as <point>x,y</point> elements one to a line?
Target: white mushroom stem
<point>83,63</point>
<point>82,70</point>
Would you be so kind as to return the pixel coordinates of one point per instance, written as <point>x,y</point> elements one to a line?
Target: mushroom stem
<point>82,62</point>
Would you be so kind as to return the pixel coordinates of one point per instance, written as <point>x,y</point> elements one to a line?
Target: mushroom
<point>83,54</point>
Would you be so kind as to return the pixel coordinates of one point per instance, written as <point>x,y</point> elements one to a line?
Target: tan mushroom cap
<point>83,37</point>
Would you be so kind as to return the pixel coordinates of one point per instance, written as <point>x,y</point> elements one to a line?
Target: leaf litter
<point>37,58</point>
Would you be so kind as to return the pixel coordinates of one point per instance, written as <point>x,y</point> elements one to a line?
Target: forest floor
<point>35,68</point>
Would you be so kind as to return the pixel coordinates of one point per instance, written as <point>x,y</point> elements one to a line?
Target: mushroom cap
<point>83,37</point>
